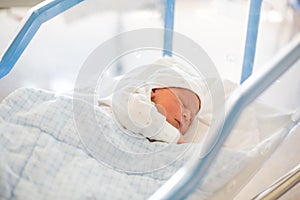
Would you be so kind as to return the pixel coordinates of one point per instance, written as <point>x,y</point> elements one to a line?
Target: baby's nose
<point>187,115</point>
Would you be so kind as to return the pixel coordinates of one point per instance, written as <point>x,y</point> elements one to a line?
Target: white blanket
<point>42,155</point>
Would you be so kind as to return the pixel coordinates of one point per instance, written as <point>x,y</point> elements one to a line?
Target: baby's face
<point>178,105</point>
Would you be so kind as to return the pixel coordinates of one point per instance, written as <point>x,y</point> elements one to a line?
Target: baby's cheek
<point>174,110</point>
<point>184,128</point>
<point>161,109</point>
<point>188,125</point>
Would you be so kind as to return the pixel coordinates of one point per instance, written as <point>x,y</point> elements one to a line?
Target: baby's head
<point>178,105</point>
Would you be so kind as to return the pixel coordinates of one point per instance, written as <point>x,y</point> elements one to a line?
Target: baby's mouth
<point>178,123</point>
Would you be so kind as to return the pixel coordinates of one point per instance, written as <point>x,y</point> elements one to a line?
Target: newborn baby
<point>158,102</point>
<point>178,105</point>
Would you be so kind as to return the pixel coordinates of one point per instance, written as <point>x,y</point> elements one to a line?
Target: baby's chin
<point>182,130</point>
<point>177,125</point>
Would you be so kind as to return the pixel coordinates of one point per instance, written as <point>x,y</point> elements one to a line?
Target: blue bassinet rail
<point>169,25</point>
<point>35,18</point>
<point>188,178</point>
<point>251,39</point>
<point>49,9</point>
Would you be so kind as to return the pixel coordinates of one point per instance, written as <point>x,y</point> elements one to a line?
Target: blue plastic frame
<point>49,9</point>
<point>251,39</point>
<point>35,18</point>
<point>169,26</point>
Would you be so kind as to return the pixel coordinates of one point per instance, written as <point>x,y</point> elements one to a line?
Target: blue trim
<point>251,38</point>
<point>296,5</point>
<point>36,17</point>
<point>169,26</point>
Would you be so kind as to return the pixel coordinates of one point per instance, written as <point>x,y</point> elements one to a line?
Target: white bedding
<point>42,156</point>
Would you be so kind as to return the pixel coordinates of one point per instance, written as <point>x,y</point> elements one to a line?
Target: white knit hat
<point>174,74</point>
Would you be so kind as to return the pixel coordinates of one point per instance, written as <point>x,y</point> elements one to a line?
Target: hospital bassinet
<point>44,158</point>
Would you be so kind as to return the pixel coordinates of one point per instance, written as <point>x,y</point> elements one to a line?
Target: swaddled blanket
<point>43,157</point>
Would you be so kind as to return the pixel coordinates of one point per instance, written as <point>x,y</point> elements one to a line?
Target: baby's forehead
<point>182,90</point>
<point>187,94</point>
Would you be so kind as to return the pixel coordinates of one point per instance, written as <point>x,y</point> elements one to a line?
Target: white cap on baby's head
<point>171,73</point>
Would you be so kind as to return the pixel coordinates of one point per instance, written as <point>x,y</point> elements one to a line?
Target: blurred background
<point>53,58</point>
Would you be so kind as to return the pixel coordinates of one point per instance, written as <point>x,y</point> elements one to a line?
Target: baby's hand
<point>181,140</point>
